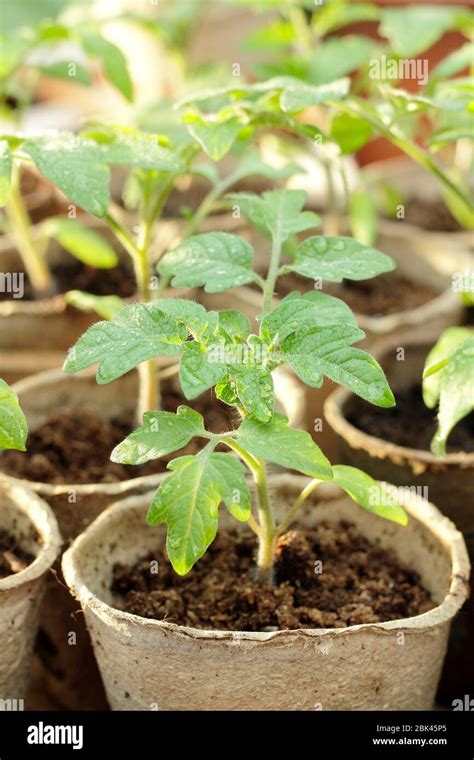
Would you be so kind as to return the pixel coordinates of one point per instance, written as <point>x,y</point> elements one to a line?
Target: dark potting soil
<point>100,282</point>
<point>76,448</point>
<point>12,557</point>
<point>359,583</point>
<point>386,294</point>
<point>410,423</point>
<point>430,215</point>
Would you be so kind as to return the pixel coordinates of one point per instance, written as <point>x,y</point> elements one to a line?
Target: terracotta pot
<point>69,672</point>
<point>31,521</point>
<point>149,664</point>
<point>449,482</point>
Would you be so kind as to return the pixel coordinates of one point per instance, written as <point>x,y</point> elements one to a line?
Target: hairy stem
<point>265,528</point>
<point>272,276</point>
<point>267,537</point>
<point>35,265</point>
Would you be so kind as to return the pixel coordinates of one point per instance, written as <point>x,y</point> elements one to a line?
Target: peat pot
<point>450,484</point>
<point>149,664</point>
<point>69,672</point>
<point>31,521</point>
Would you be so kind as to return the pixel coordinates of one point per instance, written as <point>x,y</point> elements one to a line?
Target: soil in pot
<point>361,583</point>
<point>76,447</point>
<point>383,295</point>
<point>13,559</point>
<point>77,276</point>
<point>432,215</point>
<point>410,423</point>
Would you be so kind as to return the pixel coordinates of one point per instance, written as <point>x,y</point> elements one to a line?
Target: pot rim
<point>441,527</point>
<point>42,519</point>
<point>144,482</point>
<point>334,411</point>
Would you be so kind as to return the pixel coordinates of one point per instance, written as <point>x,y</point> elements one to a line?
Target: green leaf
<point>129,147</point>
<point>296,313</point>
<point>82,242</point>
<point>253,386</point>
<point>350,132</point>
<point>76,166</point>
<point>437,359</point>
<point>198,370</point>
<point>113,62</point>
<point>414,29</point>
<point>338,56</point>
<point>363,217</point>
<point>276,213</point>
<point>216,136</point>
<point>217,260</point>
<point>188,500</point>
<point>62,70</point>
<point>300,96</point>
<point>251,165</point>
<point>106,307</point>
<point>336,15</point>
<point>456,399</point>
<point>13,426</point>
<point>370,494</point>
<point>275,442</point>
<point>160,434</point>
<point>338,258</point>
<point>138,332</point>
<point>6,164</point>
<point>201,324</point>
<point>454,62</point>
<point>327,351</point>
<point>234,324</point>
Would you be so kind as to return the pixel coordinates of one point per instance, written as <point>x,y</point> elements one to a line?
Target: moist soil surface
<point>358,583</point>
<point>12,558</point>
<point>433,215</point>
<point>76,448</point>
<point>386,294</point>
<point>410,423</point>
<point>100,282</point>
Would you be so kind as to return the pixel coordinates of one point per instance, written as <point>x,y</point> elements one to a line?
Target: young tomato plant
<point>313,333</point>
<point>448,381</point>
<point>80,167</point>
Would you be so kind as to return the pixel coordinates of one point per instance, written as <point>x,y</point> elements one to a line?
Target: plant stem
<point>34,262</point>
<point>296,506</point>
<point>297,19</point>
<point>408,147</point>
<point>268,534</point>
<point>331,222</point>
<point>272,276</point>
<point>266,526</point>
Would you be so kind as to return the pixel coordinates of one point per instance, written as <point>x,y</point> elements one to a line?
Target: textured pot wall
<point>148,664</point>
<point>31,521</point>
<point>450,484</point>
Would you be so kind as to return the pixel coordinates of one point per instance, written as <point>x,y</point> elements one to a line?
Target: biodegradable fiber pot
<point>31,521</point>
<point>149,664</point>
<point>449,482</point>
<point>69,672</point>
